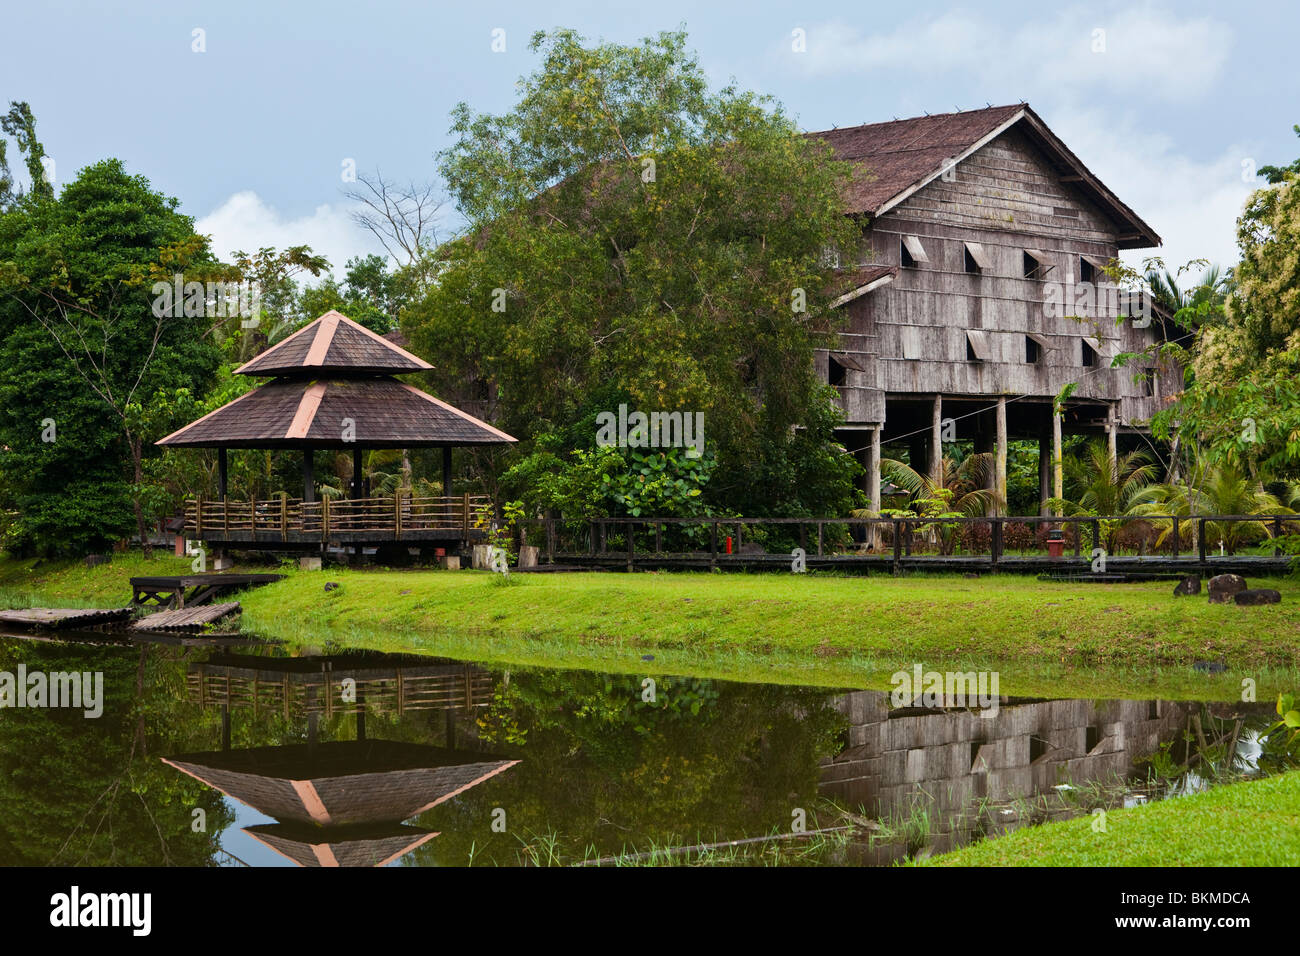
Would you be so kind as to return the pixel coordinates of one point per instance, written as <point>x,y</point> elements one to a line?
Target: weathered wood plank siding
<point>1008,198</point>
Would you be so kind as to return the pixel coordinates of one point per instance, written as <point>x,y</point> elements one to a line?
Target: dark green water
<point>255,755</point>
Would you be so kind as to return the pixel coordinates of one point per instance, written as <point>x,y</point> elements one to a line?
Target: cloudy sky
<point>1171,105</point>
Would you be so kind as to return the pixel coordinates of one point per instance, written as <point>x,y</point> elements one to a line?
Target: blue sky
<point>1173,114</point>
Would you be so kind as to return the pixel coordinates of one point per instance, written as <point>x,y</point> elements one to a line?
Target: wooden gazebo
<point>333,387</point>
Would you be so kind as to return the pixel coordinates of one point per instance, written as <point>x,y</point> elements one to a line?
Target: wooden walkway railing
<point>897,540</point>
<point>292,519</point>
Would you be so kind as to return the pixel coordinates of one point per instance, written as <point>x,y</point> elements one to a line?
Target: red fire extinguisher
<point>728,544</point>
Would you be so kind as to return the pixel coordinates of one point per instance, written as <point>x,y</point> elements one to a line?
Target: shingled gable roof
<point>294,412</point>
<point>334,343</point>
<point>899,157</point>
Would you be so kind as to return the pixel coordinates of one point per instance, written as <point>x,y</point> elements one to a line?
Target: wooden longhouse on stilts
<point>980,293</point>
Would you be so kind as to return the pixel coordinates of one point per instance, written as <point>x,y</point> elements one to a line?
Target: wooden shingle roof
<point>896,158</point>
<point>336,413</point>
<point>334,343</point>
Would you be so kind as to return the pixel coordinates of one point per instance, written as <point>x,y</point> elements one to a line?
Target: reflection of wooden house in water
<point>343,802</point>
<point>950,760</point>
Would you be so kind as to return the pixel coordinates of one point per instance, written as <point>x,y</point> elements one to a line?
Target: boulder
<point>1188,586</point>
<point>1253,596</point>
<point>1222,587</point>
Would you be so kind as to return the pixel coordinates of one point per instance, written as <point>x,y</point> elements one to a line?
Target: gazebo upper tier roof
<point>336,413</point>
<point>334,345</point>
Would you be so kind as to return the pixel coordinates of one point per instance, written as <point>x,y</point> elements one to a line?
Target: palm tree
<point>1103,487</point>
<point>1205,296</point>
<point>1221,489</point>
<point>960,490</point>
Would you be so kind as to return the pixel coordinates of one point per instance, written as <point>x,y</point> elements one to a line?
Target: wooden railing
<point>1193,538</point>
<point>293,518</point>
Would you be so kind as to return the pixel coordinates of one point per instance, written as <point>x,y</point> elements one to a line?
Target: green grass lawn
<point>72,584</point>
<point>1057,639</point>
<point>1256,823</point>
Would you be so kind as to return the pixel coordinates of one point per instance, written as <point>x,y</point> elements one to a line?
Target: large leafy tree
<point>1242,403</point>
<point>93,371</point>
<point>628,226</point>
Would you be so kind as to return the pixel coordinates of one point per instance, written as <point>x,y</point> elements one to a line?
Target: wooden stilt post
<point>936,440</point>
<point>1044,474</point>
<point>446,472</point>
<point>873,486</point>
<point>1058,482</point>
<point>1000,475</point>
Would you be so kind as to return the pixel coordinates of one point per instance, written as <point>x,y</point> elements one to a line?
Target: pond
<point>246,753</point>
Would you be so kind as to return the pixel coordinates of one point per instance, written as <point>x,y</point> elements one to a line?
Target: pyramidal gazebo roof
<point>333,388</point>
<point>334,343</point>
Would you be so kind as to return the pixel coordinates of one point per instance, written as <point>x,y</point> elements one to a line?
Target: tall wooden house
<point>979,293</point>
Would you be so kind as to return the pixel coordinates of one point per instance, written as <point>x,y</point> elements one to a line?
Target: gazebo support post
<point>308,476</point>
<point>221,473</point>
<point>446,471</point>
<point>356,474</point>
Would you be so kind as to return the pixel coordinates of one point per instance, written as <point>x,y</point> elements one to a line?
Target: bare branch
<point>402,218</point>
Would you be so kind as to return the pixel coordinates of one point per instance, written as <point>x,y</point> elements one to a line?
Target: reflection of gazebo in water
<point>339,803</point>
<point>332,387</point>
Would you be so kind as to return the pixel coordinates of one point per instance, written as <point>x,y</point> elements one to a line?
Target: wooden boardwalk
<point>61,618</point>
<point>185,618</point>
<point>1065,567</point>
<point>188,590</point>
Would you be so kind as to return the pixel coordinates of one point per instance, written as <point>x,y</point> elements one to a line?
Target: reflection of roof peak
<point>334,343</point>
<point>369,845</point>
<point>341,783</point>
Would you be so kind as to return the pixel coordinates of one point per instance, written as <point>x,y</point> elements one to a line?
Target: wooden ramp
<point>188,590</point>
<point>60,618</point>
<point>185,618</point>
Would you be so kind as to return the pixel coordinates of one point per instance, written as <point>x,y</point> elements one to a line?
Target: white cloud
<point>245,221</point>
<point>1146,52</point>
<point>1192,204</point>
<point>1150,55</point>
